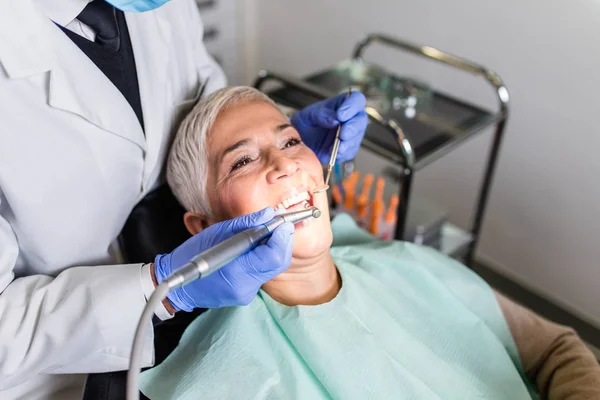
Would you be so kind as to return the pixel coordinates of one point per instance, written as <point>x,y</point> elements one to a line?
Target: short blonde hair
<point>187,165</point>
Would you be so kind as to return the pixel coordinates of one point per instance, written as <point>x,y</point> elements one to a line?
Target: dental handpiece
<point>228,250</point>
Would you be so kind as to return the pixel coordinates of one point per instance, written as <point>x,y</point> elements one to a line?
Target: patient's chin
<point>308,243</point>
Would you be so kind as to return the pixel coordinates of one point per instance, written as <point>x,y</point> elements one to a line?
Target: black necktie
<point>100,16</point>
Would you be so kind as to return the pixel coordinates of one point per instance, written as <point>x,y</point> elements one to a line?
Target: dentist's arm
<point>554,357</point>
<point>80,321</point>
<point>84,319</point>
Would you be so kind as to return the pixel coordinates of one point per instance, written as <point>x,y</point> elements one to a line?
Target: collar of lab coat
<point>37,45</point>
<point>62,11</point>
<point>27,52</point>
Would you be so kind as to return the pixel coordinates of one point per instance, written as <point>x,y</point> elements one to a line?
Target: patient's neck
<point>306,282</point>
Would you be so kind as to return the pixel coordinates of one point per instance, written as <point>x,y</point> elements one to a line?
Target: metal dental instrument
<point>228,250</point>
<point>334,153</point>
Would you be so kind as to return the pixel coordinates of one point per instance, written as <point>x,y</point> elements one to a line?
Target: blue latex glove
<point>317,125</point>
<point>238,282</point>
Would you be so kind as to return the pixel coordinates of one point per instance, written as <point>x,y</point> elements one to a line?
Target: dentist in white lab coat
<point>74,161</point>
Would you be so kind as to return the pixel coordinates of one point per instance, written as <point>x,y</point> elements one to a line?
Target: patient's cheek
<point>222,205</point>
<point>234,200</point>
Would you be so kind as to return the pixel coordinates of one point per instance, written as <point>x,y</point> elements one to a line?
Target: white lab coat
<point>73,163</point>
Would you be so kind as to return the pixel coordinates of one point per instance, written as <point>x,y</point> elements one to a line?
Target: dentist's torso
<point>74,159</point>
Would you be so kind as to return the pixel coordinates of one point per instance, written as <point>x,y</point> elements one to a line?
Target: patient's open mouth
<point>295,202</point>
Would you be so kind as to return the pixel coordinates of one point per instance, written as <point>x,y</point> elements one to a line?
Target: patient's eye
<point>245,160</point>
<point>292,142</point>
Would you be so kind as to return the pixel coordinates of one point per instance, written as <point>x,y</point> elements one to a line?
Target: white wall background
<point>543,221</point>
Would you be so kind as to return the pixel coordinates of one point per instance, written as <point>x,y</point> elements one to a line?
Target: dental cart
<point>411,125</point>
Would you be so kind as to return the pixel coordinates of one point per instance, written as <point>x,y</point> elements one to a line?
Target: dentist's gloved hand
<point>238,282</point>
<point>317,125</point>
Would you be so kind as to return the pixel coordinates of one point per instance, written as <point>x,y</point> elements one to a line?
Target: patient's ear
<point>195,222</point>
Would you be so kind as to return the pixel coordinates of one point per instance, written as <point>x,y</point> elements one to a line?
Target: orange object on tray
<point>362,203</point>
<point>389,224</point>
<point>377,210</point>
<point>379,186</point>
<point>390,216</point>
<point>366,190</point>
<point>377,207</point>
<point>350,187</point>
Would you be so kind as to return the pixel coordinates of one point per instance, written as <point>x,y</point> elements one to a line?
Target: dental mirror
<point>321,189</point>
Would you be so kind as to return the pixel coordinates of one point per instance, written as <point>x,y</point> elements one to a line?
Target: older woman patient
<point>362,319</point>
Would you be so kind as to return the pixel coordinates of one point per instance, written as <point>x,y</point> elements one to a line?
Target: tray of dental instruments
<point>417,124</point>
<point>429,120</point>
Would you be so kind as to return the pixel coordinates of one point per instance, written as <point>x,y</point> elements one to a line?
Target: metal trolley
<point>411,143</point>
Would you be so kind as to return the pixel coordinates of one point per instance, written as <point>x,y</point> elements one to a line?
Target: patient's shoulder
<point>402,266</point>
<point>424,274</point>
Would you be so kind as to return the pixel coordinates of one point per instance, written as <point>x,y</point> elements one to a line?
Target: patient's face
<point>257,160</point>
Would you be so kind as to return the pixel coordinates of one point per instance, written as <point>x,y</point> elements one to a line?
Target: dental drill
<point>199,267</point>
<point>228,250</point>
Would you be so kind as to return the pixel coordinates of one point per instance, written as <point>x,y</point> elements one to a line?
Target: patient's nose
<point>281,166</point>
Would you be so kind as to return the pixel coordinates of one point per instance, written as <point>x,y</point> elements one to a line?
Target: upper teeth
<point>295,199</point>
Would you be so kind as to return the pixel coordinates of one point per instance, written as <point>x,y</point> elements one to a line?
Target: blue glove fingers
<point>354,129</point>
<point>180,300</point>
<point>317,114</point>
<point>324,157</point>
<point>239,224</point>
<point>238,282</point>
<point>351,135</point>
<point>338,101</point>
<point>323,117</point>
<point>351,106</point>
<point>272,258</point>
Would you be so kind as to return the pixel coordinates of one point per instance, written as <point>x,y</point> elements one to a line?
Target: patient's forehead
<point>246,119</point>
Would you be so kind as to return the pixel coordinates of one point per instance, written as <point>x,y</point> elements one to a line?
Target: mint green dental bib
<point>408,323</point>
